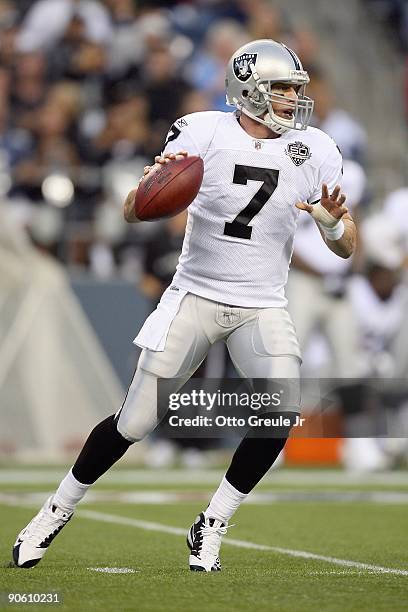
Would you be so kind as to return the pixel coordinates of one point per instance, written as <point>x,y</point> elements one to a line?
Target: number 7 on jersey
<point>239,227</point>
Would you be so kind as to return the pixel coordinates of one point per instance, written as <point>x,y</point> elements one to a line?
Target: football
<point>169,188</point>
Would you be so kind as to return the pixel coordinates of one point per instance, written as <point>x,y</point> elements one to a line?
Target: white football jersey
<point>240,229</point>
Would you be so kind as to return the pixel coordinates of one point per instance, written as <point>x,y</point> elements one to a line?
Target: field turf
<point>359,521</point>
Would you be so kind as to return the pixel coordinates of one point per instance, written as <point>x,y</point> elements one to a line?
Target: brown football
<point>169,188</point>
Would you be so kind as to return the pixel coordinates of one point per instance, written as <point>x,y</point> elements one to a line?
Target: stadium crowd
<point>394,13</point>
<point>88,91</point>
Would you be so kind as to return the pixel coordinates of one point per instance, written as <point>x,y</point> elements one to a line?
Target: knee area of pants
<point>130,433</point>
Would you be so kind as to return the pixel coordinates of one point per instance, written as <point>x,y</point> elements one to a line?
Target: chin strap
<point>272,125</point>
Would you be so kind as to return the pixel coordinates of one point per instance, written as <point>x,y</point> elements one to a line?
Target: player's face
<point>286,108</point>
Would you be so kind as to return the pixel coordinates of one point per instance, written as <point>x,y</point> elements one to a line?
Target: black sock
<point>251,461</point>
<point>104,446</point>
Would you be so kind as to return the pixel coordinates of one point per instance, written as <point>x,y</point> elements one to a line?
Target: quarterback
<point>263,166</point>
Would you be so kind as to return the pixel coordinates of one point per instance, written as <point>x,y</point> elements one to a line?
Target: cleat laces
<point>45,525</point>
<point>211,539</point>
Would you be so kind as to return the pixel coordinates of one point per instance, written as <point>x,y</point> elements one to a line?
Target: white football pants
<point>262,344</point>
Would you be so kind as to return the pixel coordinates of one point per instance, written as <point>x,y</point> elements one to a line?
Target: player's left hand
<point>332,203</point>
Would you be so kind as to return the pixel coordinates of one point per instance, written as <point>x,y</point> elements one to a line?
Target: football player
<point>263,165</point>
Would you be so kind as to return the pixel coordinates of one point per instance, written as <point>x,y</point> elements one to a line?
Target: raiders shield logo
<point>242,65</point>
<point>298,152</point>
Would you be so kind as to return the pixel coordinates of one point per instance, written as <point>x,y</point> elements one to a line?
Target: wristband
<point>332,228</point>
<point>335,232</point>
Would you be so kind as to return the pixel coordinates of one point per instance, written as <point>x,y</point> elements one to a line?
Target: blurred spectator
<point>207,70</point>
<point>395,14</point>
<point>122,12</point>
<point>8,14</point>
<point>320,278</point>
<point>45,228</point>
<point>78,57</point>
<point>396,209</point>
<point>53,147</point>
<point>124,134</point>
<point>29,88</point>
<point>306,45</point>
<point>126,48</point>
<point>66,96</point>
<point>379,302</point>
<point>164,89</point>
<point>5,82</point>
<point>379,299</point>
<point>194,101</point>
<point>46,23</point>
<point>264,19</point>
<point>161,257</point>
<point>346,131</point>
<point>109,232</point>
<point>53,151</point>
<point>155,29</point>
<point>8,31</point>
<point>194,19</point>
<point>15,144</point>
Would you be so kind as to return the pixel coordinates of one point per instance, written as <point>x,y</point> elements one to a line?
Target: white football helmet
<point>251,74</point>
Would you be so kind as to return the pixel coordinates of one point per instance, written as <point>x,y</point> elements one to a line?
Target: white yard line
<point>15,500</point>
<point>159,497</point>
<point>149,526</point>
<point>23,475</point>
<point>113,570</point>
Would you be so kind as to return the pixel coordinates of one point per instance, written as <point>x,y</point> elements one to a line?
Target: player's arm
<point>179,140</point>
<point>333,220</point>
<point>129,206</point>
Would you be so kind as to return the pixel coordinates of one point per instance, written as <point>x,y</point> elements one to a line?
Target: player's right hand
<point>159,159</point>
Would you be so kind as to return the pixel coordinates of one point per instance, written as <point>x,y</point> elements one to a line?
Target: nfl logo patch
<point>257,144</point>
<point>298,152</point>
<point>242,65</point>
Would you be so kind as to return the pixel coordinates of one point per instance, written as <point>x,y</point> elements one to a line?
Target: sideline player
<point>262,164</point>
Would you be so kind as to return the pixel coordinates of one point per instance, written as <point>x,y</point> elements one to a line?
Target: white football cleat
<point>204,541</point>
<point>33,541</point>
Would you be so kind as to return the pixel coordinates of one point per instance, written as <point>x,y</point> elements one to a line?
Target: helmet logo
<point>298,152</point>
<point>241,65</point>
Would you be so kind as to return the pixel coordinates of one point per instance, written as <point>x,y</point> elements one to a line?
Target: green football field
<point>310,540</point>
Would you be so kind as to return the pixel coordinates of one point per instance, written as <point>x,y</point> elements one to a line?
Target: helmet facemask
<point>257,104</point>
